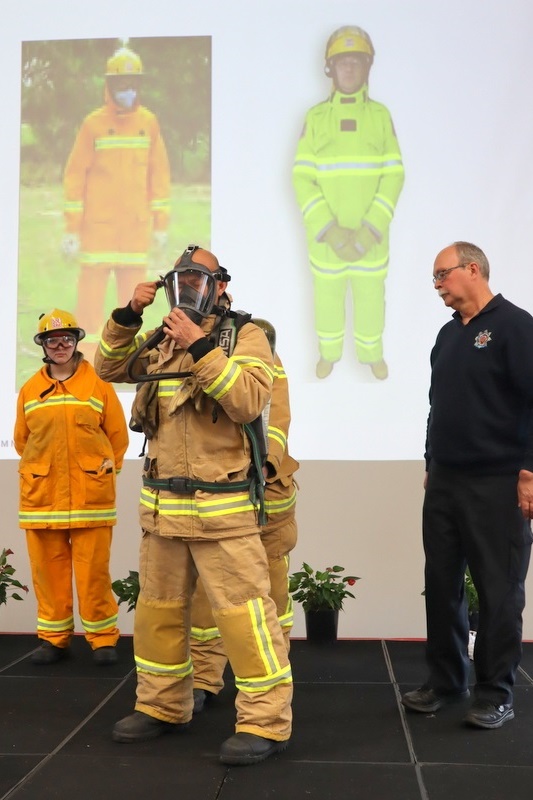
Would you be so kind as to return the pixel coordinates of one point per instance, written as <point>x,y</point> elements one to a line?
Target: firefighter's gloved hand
<point>70,246</point>
<point>364,240</point>
<point>341,242</point>
<point>160,239</point>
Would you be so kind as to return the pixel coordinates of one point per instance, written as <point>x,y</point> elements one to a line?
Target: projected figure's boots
<point>323,368</point>
<point>380,370</point>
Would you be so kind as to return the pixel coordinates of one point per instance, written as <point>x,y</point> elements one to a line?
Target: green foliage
<point>321,589</point>
<point>41,229</point>
<point>7,582</point>
<point>63,81</point>
<point>127,589</point>
<point>471,593</point>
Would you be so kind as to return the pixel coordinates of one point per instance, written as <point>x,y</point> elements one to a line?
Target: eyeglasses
<point>442,274</point>
<point>53,342</point>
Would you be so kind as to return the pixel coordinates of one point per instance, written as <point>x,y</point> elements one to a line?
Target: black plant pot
<point>321,626</point>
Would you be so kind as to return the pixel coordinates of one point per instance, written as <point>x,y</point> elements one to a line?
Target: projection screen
<point>231,89</point>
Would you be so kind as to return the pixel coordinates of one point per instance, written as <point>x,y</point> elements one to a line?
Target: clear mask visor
<point>192,290</point>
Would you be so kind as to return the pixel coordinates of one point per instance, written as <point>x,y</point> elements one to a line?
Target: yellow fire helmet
<point>124,62</point>
<point>57,320</point>
<point>349,39</point>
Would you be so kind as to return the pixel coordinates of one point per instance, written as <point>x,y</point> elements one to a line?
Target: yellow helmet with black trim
<point>349,39</point>
<point>55,321</point>
<point>124,62</point>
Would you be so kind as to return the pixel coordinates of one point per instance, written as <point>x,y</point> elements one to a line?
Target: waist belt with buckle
<point>179,485</point>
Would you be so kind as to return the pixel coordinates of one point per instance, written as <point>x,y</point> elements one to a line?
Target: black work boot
<point>140,727</point>
<point>105,655</point>
<point>48,653</point>
<point>201,698</point>
<point>247,748</point>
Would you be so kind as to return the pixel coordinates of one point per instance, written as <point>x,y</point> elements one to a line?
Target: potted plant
<point>473,611</point>
<point>127,589</point>
<point>8,583</point>
<point>322,594</point>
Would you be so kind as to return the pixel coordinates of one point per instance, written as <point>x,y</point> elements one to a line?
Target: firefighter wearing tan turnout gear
<point>198,511</point>
<point>348,175</point>
<point>278,537</point>
<point>71,435</point>
<point>117,192</point>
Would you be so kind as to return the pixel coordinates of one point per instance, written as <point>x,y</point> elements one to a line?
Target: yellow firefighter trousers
<point>54,555</point>
<point>368,302</point>
<point>234,572</point>
<point>207,650</point>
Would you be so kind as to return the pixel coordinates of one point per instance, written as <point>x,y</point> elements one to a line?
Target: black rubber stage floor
<point>352,738</point>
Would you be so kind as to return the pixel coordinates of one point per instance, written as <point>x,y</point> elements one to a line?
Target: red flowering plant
<point>7,582</point>
<point>321,589</point>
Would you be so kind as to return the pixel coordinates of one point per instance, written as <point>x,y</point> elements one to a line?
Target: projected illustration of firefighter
<point>348,175</point>
<point>117,192</point>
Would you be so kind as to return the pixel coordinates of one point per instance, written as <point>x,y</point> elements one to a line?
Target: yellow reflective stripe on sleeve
<point>224,381</point>
<point>101,625</point>
<point>55,626</point>
<point>205,634</point>
<point>249,362</point>
<point>154,668</point>
<point>277,435</point>
<point>119,353</point>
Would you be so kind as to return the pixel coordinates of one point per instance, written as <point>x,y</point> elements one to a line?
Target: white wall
<point>363,516</point>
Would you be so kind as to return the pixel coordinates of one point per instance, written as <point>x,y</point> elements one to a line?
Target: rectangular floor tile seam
<point>526,675</point>
<point>57,749</point>
<point>424,795</point>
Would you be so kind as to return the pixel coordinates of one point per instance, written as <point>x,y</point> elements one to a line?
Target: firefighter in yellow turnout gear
<point>71,435</point>
<point>198,509</point>
<point>278,537</point>
<point>348,175</point>
<point>117,192</point>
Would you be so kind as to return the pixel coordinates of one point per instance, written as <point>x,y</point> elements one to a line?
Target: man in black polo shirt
<point>479,490</point>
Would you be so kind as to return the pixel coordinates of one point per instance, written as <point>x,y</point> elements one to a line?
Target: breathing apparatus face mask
<point>193,289</point>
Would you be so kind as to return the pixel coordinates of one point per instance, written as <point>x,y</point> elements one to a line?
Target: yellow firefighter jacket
<point>71,437</point>
<point>117,185</point>
<point>348,169</point>
<point>280,489</point>
<point>199,433</point>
